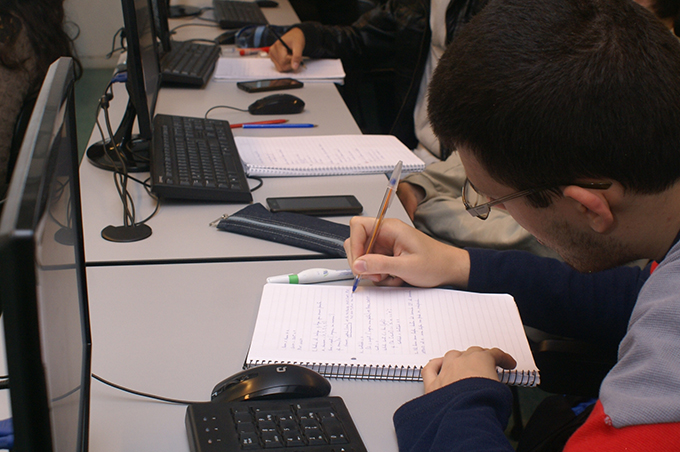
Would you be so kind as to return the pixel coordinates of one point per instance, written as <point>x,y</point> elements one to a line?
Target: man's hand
<point>278,53</point>
<point>456,365</point>
<point>401,254</point>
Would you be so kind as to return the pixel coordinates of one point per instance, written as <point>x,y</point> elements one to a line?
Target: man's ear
<point>594,204</point>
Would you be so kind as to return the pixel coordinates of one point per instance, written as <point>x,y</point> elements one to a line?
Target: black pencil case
<point>290,228</point>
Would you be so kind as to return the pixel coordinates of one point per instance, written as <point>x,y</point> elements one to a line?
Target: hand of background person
<point>278,53</point>
<point>410,196</point>
<point>456,365</point>
<point>401,254</point>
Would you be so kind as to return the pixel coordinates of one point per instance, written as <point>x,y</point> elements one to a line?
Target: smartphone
<point>274,84</point>
<point>317,205</point>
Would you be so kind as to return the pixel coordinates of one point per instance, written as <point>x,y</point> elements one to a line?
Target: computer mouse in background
<point>271,381</point>
<point>267,3</point>
<point>277,104</point>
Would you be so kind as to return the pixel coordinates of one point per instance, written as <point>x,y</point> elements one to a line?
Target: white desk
<point>175,328</point>
<point>176,331</point>
<point>180,229</point>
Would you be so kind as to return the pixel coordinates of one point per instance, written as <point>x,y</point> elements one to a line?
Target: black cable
<point>121,177</point>
<point>257,178</point>
<point>223,106</point>
<point>144,394</point>
<point>114,49</point>
<point>194,25</point>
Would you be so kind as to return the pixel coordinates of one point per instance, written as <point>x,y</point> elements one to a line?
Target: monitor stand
<point>134,152</point>
<point>177,11</point>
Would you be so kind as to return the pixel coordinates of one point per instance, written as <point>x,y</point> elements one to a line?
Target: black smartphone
<point>316,205</point>
<point>274,84</point>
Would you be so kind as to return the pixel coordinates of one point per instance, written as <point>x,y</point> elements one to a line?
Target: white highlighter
<point>313,275</point>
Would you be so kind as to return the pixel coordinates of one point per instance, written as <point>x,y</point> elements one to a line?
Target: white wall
<point>98,21</point>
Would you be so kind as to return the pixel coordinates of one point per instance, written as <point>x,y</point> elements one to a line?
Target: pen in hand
<point>278,38</point>
<point>387,200</point>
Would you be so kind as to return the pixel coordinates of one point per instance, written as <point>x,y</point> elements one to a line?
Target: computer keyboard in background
<point>189,63</point>
<point>196,158</point>
<point>235,14</point>
<point>320,424</point>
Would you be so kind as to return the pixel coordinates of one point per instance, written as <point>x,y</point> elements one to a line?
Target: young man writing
<point>565,114</point>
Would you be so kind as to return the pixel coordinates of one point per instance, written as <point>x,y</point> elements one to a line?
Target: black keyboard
<point>320,424</point>
<point>189,63</point>
<point>235,14</point>
<point>196,158</point>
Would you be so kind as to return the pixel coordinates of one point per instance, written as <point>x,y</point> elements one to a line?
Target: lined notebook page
<point>238,69</point>
<point>325,155</point>
<point>382,327</point>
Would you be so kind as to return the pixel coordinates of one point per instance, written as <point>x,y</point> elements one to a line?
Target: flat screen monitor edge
<point>143,83</point>
<point>42,274</point>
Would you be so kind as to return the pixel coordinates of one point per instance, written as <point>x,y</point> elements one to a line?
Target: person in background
<point>577,140</point>
<point>31,38</point>
<point>408,37</point>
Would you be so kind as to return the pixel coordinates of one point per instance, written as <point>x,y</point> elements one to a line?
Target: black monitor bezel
<point>143,94</point>
<point>25,204</point>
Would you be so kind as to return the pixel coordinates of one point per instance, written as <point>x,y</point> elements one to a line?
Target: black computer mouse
<point>271,381</point>
<point>267,3</point>
<point>277,104</point>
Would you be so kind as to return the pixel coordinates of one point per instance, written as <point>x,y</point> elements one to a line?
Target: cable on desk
<point>223,106</point>
<point>121,177</point>
<point>144,394</point>
<point>194,25</point>
<point>257,178</point>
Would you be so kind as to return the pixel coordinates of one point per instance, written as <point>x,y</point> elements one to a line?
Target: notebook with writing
<point>384,333</point>
<point>325,155</point>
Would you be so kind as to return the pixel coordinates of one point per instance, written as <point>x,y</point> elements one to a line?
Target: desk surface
<point>176,331</point>
<point>180,229</point>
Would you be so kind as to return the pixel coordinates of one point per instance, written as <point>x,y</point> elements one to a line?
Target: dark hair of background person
<point>44,23</point>
<point>598,99</point>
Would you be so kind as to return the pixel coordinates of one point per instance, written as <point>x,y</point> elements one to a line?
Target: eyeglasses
<point>471,197</point>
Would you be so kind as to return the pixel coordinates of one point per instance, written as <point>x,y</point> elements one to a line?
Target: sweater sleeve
<point>373,37</point>
<point>468,415</point>
<point>557,299</point>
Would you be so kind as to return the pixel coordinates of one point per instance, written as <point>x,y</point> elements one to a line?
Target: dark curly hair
<point>44,23</point>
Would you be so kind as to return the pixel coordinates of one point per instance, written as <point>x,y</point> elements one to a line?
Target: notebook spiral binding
<point>394,373</point>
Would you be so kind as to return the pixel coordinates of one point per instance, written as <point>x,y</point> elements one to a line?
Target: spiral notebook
<point>384,333</point>
<point>325,155</point>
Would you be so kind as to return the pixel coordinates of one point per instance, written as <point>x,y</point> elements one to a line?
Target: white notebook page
<point>382,326</point>
<point>324,155</point>
<point>253,68</point>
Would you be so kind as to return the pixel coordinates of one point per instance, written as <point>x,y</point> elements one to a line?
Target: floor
<point>90,88</point>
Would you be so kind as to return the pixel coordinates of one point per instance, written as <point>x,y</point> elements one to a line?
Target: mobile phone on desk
<point>274,84</point>
<point>317,205</point>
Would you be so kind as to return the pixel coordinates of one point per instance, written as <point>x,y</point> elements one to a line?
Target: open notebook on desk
<point>325,155</point>
<point>253,68</point>
<point>384,333</point>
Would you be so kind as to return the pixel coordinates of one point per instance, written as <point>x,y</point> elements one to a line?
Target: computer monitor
<point>42,275</point>
<point>160,18</point>
<point>143,83</point>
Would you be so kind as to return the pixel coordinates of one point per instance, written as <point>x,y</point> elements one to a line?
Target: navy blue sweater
<point>471,414</point>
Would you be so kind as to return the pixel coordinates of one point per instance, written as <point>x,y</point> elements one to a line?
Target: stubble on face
<point>584,251</point>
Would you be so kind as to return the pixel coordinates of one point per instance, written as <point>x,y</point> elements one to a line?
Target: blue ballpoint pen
<point>387,200</point>
<point>278,126</point>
